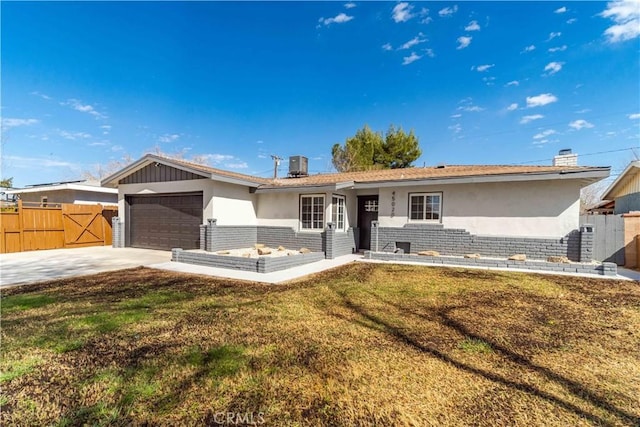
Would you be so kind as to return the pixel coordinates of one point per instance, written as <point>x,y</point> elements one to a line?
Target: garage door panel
<point>165,221</point>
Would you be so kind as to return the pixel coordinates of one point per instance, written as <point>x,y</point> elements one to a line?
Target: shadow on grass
<point>443,316</point>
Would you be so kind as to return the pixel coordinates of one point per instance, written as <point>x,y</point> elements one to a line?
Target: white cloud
<point>571,21</point>
<point>558,49</point>
<point>97,144</point>
<point>553,35</point>
<point>553,67</point>
<point>237,165</point>
<point>626,15</point>
<point>105,127</point>
<point>456,116</point>
<point>456,128</point>
<point>471,108</point>
<point>448,11</point>
<point>34,163</point>
<point>483,68</point>
<point>14,123</point>
<point>544,134</point>
<point>580,124</point>
<point>526,119</point>
<point>512,107</point>
<point>73,135</point>
<point>168,137</point>
<point>411,58</point>
<point>414,41</point>
<point>582,111</point>
<point>563,9</point>
<point>83,108</point>
<point>41,95</point>
<point>634,116</point>
<point>464,41</point>
<point>473,26</point>
<point>540,100</point>
<point>117,148</point>
<point>262,156</point>
<point>513,83</point>
<point>387,46</point>
<point>529,48</point>
<point>349,5</point>
<point>217,158</point>
<point>402,12</point>
<point>340,18</point>
<point>429,53</point>
<point>424,14</point>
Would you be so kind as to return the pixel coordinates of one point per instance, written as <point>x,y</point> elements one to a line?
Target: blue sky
<point>85,83</point>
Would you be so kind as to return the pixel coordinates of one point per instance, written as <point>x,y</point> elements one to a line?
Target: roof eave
<point>298,188</point>
<point>608,193</point>
<point>112,180</point>
<point>592,175</point>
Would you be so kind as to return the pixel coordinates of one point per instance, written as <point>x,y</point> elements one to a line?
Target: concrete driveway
<point>36,266</point>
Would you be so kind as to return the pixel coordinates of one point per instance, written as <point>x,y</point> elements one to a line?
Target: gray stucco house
<point>493,210</point>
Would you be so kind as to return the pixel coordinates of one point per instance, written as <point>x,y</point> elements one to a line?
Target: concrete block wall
<point>257,265</point>
<point>608,269</point>
<point>117,232</point>
<point>229,237</point>
<point>290,239</point>
<point>459,241</point>
<point>339,243</point>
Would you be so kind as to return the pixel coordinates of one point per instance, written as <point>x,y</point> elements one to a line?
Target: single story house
<point>75,192</point>
<point>493,210</point>
<point>625,190</point>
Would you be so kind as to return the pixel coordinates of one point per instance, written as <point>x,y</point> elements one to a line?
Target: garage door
<point>165,221</point>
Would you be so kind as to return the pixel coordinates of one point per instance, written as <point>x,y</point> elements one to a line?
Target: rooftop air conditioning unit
<point>298,166</point>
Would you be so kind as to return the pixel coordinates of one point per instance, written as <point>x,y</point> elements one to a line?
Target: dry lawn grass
<point>361,345</point>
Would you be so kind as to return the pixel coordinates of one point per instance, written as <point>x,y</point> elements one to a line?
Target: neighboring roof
<point>629,173</point>
<point>71,185</point>
<point>198,169</point>
<point>377,178</point>
<point>603,204</point>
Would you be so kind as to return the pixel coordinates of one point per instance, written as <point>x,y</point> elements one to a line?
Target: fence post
<point>374,226</point>
<point>21,224</point>
<point>586,243</point>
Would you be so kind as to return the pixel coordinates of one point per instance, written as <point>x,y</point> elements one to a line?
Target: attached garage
<point>164,221</point>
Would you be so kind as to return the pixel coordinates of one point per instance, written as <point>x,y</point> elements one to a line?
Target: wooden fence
<point>616,238</point>
<point>33,226</point>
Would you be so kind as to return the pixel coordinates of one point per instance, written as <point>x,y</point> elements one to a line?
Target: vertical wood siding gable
<point>160,173</point>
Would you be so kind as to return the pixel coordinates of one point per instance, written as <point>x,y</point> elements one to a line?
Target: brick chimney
<point>565,158</point>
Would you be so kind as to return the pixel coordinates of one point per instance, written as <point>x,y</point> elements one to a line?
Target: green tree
<point>6,182</point>
<point>368,150</point>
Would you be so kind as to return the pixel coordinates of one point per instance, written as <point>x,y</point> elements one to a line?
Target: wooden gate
<point>32,226</point>
<point>608,237</point>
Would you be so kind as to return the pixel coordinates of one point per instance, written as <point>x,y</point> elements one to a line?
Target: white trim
<point>324,219</point>
<point>344,212</point>
<point>424,196</point>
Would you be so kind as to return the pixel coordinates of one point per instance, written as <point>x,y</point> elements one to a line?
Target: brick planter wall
<point>577,245</point>
<point>604,269</point>
<point>256,265</point>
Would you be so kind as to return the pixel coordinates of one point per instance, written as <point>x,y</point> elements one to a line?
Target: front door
<point>367,212</point>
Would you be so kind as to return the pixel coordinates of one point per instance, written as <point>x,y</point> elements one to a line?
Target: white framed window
<point>312,212</point>
<point>425,206</point>
<point>338,204</point>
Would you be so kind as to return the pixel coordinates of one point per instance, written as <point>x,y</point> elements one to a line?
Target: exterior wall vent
<point>298,166</point>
